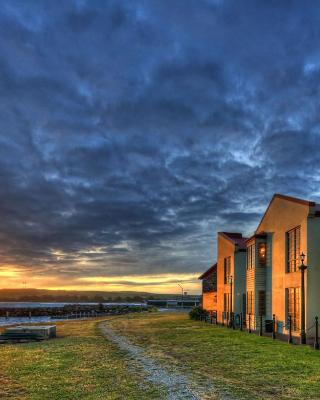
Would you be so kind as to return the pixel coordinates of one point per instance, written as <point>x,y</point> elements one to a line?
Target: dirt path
<point>176,385</point>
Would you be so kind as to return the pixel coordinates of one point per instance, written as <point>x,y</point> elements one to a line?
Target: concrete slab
<point>47,331</point>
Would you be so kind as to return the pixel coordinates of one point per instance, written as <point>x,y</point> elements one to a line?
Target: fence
<point>259,325</point>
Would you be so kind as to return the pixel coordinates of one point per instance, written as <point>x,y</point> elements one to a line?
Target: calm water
<point>24,320</point>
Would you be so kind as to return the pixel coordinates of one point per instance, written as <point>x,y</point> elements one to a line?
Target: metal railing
<point>260,325</point>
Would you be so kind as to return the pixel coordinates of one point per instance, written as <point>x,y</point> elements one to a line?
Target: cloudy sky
<point>132,131</point>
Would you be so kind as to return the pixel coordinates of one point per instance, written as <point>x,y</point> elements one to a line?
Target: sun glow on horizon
<point>153,283</point>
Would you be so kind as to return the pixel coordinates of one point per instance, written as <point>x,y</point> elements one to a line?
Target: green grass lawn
<point>80,364</point>
<point>248,366</point>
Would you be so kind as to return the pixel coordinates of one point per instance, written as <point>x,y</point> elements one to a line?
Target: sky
<point>132,131</point>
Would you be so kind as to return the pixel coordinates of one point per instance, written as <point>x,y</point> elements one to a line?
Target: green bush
<point>152,309</point>
<point>198,313</point>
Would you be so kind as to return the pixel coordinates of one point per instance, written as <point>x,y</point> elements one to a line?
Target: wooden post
<point>249,323</point>
<point>241,322</point>
<point>316,339</point>
<point>260,330</point>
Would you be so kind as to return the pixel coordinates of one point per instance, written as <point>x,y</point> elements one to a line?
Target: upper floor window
<point>209,283</point>
<point>293,249</point>
<point>251,256</point>
<point>227,270</point>
<point>262,251</point>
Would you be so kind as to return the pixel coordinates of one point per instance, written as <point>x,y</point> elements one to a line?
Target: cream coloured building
<point>231,273</point>
<point>260,276</point>
<point>289,227</point>
<point>209,289</point>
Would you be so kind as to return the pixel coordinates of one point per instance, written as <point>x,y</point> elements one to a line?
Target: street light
<point>181,294</point>
<point>302,268</point>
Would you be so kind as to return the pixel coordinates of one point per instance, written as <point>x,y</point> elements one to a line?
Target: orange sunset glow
<point>12,278</point>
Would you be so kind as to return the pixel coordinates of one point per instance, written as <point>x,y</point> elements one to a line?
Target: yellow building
<point>209,289</point>
<point>289,227</point>
<point>260,276</point>
<point>231,267</point>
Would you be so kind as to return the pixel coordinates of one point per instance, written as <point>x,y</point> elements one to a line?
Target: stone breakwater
<point>75,310</point>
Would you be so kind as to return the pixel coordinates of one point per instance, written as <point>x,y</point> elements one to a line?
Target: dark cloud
<point>131,132</point>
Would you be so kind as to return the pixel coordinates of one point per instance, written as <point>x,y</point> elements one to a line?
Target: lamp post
<point>230,307</point>
<point>181,294</point>
<point>302,268</point>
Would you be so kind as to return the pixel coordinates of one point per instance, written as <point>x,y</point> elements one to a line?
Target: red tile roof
<point>261,235</point>
<point>236,238</point>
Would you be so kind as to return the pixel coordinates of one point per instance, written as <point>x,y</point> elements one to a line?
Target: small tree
<point>198,312</point>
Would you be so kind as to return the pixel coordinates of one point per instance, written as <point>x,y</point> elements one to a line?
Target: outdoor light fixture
<point>262,253</point>
<point>303,267</point>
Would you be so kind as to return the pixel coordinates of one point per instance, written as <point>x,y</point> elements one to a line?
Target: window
<point>226,305</point>
<point>293,301</point>
<point>250,303</point>
<point>262,302</point>
<point>209,282</point>
<point>227,269</point>
<point>251,256</point>
<point>226,302</point>
<point>262,251</point>
<point>293,249</point>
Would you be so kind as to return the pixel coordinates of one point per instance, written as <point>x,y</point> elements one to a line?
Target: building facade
<point>292,227</point>
<point>258,279</point>
<point>260,276</point>
<point>227,296</point>
<point>209,289</point>
<point>231,267</point>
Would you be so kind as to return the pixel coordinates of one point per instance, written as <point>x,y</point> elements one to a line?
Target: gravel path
<point>175,384</point>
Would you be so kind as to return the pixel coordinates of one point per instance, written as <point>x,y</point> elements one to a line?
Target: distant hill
<point>43,295</point>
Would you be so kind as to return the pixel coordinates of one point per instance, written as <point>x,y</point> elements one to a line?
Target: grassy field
<point>248,366</point>
<point>80,364</point>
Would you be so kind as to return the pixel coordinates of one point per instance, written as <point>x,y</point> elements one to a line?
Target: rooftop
<point>314,205</point>
<point>235,238</point>
<point>208,271</point>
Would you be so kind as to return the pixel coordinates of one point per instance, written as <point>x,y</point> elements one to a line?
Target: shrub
<point>197,313</point>
<point>152,309</point>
